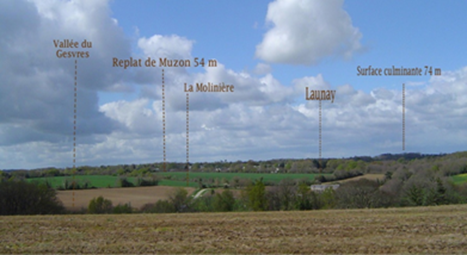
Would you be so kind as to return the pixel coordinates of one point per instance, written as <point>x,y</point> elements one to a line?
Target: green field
<point>459,179</point>
<point>177,179</point>
<point>229,176</point>
<point>98,181</point>
<point>103,181</point>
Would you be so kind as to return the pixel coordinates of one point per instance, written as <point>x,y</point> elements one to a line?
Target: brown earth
<point>137,196</point>
<point>429,230</point>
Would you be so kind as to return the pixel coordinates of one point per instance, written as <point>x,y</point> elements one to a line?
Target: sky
<point>269,50</point>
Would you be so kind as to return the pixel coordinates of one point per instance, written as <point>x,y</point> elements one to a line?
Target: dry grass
<point>433,230</point>
<point>372,177</point>
<point>136,196</point>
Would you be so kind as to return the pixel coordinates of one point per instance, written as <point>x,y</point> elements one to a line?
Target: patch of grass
<point>275,178</point>
<point>173,183</point>
<point>177,179</point>
<point>98,181</point>
<point>459,179</point>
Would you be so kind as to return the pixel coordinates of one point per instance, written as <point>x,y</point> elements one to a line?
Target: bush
<point>204,204</point>
<point>361,193</point>
<point>125,208</point>
<point>161,206</point>
<point>20,197</point>
<point>100,205</point>
<point>224,202</point>
<point>257,196</point>
<point>180,200</point>
<point>147,181</point>
<point>124,182</point>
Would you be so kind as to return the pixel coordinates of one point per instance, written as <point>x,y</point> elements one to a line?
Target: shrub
<point>20,197</point>
<point>204,204</point>
<point>257,196</point>
<point>124,182</point>
<point>148,181</point>
<point>224,202</point>
<point>161,206</point>
<point>100,205</point>
<point>361,193</point>
<point>125,208</point>
<point>180,200</point>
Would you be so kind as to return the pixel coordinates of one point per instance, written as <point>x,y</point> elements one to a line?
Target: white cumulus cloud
<point>305,31</point>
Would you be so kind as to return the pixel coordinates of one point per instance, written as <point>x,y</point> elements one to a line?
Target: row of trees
<point>21,198</point>
<point>290,195</point>
<point>449,164</point>
<point>398,189</point>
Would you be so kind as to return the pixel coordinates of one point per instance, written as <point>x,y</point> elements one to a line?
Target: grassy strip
<point>459,179</point>
<point>229,176</point>
<point>177,179</point>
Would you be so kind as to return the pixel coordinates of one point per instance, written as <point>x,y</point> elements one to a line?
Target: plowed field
<point>433,230</point>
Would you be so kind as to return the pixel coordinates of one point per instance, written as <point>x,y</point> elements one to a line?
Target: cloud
<point>262,119</point>
<point>262,68</point>
<point>134,116</point>
<point>173,47</point>
<point>304,32</point>
<point>357,123</point>
<point>36,93</point>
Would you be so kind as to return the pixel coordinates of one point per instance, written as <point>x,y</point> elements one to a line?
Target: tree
<point>415,195</point>
<point>440,197</point>
<point>180,200</point>
<point>303,199</point>
<point>328,197</point>
<point>224,202</point>
<point>161,206</point>
<point>388,175</point>
<point>20,197</point>
<point>124,182</point>
<point>362,193</point>
<point>204,204</point>
<point>286,192</point>
<point>257,196</point>
<point>149,180</point>
<point>125,208</point>
<point>100,205</point>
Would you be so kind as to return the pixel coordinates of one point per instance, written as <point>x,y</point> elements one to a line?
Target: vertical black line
<point>403,116</point>
<point>320,136</point>
<point>163,124</point>
<point>187,139</point>
<point>74,130</point>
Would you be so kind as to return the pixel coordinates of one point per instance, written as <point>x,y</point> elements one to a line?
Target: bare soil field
<point>429,230</point>
<point>137,196</point>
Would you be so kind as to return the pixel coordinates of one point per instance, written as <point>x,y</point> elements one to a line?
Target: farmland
<point>373,177</point>
<point>440,229</point>
<point>137,196</point>
<point>103,181</point>
<point>176,179</point>
<point>273,178</point>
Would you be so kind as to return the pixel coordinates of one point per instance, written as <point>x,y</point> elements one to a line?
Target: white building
<point>322,187</point>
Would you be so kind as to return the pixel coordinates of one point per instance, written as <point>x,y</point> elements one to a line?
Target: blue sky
<point>408,33</point>
<point>270,51</point>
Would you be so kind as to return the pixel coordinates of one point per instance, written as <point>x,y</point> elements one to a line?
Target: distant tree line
<point>362,164</point>
<point>397,190</point>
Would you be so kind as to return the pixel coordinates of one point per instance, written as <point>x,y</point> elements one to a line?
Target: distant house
<point>322,187</point>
